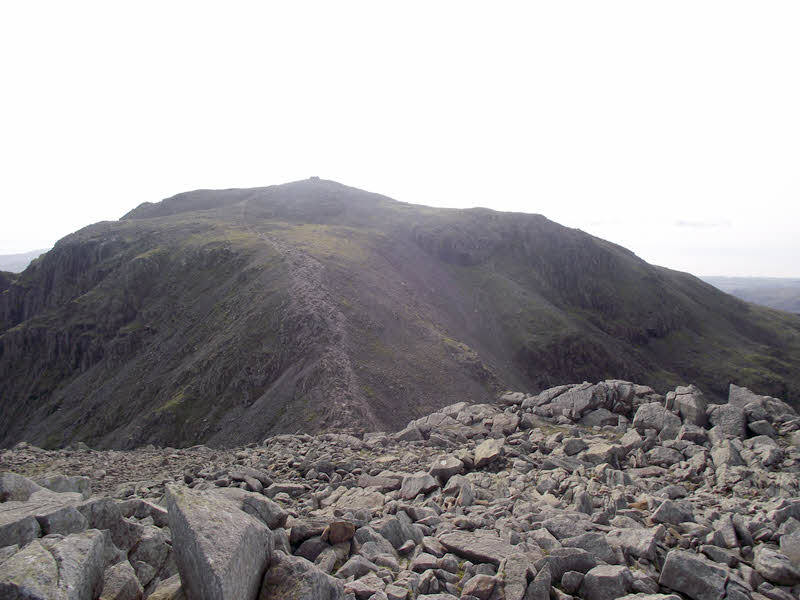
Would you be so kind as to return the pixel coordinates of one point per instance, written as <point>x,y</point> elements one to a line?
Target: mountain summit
<point>222,316</point>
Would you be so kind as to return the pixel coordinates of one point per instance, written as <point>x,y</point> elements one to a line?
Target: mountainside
<point>16,263</point>
<point>222,316</point>
<point>776,292</point>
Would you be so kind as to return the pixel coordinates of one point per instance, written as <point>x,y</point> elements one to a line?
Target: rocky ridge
<point>595,491</point>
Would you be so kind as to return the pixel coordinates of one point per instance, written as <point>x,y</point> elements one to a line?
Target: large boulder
<point>477,547</point>
<point>59,483</point>
<point>121,583</point>
<point>606,582</point>
<point>488,451</point>
<point>695,576</point>
<point>418,483</point>
<point>775,567</point>
<point>56,567</point>
<point>691,405</point>
<point>731,420</point>
<point>655,415</point>
<point>221,552</point>
<point>295,578</point>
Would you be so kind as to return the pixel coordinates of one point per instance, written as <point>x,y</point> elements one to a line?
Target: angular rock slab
<point>488,451</point>
<point>120,583</point>
<point>477,547</point>
<point>221,552</point>
<point>698,578</point>
<point>295,578</point>
<point>56,567</point>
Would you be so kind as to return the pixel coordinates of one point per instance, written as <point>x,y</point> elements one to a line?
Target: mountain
<point>16,263</point>
<point>781,293</point>
<point>220,317</point>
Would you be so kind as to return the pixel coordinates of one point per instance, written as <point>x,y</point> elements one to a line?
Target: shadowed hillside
<point>222,316</point>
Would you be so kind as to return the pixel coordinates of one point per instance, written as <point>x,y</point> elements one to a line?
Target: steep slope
<point>222,316</point>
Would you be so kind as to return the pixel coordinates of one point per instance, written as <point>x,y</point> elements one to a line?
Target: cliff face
<point>220,317</point>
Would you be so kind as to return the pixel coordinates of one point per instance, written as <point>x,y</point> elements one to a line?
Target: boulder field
<point>595,491</point>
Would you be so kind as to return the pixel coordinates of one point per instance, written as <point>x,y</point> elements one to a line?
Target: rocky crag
<point>583,491</point>
<point>220,317</point>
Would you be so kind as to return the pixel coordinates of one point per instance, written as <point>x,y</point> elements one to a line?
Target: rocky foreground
<point>589,491</point>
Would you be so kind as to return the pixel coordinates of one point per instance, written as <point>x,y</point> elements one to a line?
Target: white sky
<point>672,128</point>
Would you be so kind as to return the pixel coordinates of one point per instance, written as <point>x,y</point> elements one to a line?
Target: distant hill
<point>775,292</point>
<point>17,263</point>
<point>220,317</point>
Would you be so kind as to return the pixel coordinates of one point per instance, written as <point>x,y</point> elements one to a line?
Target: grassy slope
<point>177,326</point>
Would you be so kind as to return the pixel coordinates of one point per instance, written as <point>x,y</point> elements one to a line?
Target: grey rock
<point>691,405</point>
<point>571,581</point>
<point>488,451</point>
<point>16,487</point>
<point>79,561</point>
<point>663,457</point>
<point>643,596</point>
<point>730,419</point>
<point>561,560</point>
<point>169,589</point>
<point>775,567</point>
<point>563,527</point>
<point>572,446</point>
<point>120,583</point>
<point>517,569</point>
<point>409,434</point>
<point>480,586</point>
<point>790,546</point>
<point>547,396</point>
<point>17,524</point>
<point>599,417</point>
<point>639,543</point>
<point>594,543</point>
<point>505,423</point>
<point>295,578</point>
<point>61,483</point>
<point>444,467</point>
<point>31,573</point>
<point>221,552</point>
<point>366,587</point>
<point>399,530</point>
<point>262,508</point>
<point>693,575</point>
<point>152,548</point>
<point>606,582</point>
<point>602,452</point>
<point>762,428</point>
<point>673,513</point>
<point>419,483</point>
<point>726,455</point>
<point>539,588</point>
<point>655,415</point>
<point>383,484</point>
<point>477,546</point>
<point>64,520</point>
<point>357,566</point>
<point>579,400</point>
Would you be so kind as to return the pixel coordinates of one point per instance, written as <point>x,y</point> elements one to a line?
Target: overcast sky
<point>672,128</point>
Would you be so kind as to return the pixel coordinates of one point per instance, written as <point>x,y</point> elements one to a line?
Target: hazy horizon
<point>668,129</point>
